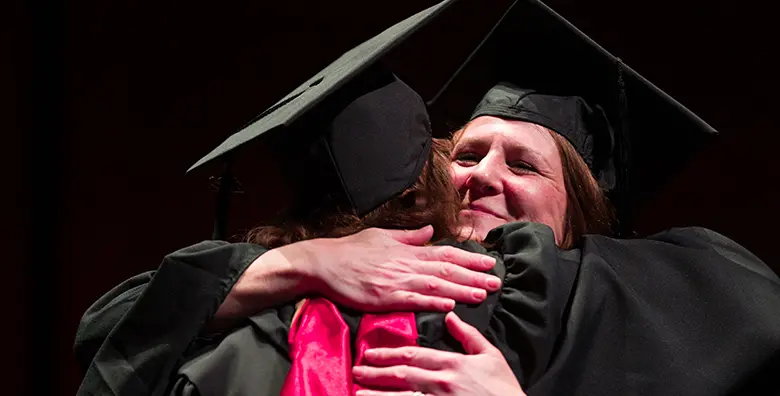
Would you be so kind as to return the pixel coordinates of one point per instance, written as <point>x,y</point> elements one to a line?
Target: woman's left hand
<point>482,371</point>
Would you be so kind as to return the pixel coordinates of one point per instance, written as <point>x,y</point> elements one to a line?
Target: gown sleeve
<point>684,312</point>
<point>131,339</point>
<point>530,308</point>
<point>104,314</point>
<point>524,317</point>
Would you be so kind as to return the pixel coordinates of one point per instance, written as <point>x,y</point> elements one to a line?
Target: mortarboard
<point>536,66</point>
<point>368,132</point>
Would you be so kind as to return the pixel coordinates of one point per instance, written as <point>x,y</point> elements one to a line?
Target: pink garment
<point>321,352</point>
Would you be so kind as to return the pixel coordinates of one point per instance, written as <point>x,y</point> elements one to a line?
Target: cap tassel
<point>226,185</point>
<point>624,157</point>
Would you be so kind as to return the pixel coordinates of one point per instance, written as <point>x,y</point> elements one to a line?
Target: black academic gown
<point>686,311</point>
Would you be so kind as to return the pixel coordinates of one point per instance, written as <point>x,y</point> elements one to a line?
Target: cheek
<point>534,200</point>
<point>523,196</point>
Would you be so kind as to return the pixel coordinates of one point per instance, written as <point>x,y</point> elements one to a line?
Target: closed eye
<point>467,159</point>
<point>471,159</point>
<point>523,167</point>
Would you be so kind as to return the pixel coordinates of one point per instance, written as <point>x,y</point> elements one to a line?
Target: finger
<point>472,340</point>
<point>459,257</point>
<point>416,237</point>
<point>396,377</point>
<point>403,300</point>
<point>432,286</point>
<point>425,358</point>
<point>459,275</point>
<point>369,392</point>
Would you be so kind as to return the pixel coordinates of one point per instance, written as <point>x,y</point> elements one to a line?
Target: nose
<point>485,178</point>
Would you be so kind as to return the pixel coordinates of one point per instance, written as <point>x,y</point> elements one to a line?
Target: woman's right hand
<point>392,270</point>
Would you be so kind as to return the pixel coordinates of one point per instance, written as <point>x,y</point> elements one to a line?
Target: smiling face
<point>508,171</point>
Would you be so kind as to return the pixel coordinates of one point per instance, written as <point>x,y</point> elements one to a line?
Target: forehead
<point>509,134</point>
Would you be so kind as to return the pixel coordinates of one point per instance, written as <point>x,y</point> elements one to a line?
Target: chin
<point>476,228</point>
<point>470,234</point>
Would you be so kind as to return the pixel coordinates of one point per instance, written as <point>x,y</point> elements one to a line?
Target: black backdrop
<point>105,104</point>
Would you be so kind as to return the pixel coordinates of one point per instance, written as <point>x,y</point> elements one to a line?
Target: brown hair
<point>588,210</point>
<point>432,199</point>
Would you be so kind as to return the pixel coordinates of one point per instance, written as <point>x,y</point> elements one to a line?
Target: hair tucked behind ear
<point>432,199</point>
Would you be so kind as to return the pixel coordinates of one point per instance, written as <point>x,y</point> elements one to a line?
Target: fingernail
<point>493,282</point>
<point>479,294</point>
<point>370,353</point>
<point>358,371</point>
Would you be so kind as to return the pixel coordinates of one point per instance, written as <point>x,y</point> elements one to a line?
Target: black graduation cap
<point>536,66</point>
<point>369,134</point>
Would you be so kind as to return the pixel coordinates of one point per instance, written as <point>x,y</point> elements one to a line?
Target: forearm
<point>279,276</point>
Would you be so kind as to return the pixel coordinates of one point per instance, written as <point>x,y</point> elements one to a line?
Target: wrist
<point>275,277</point>
<point>299,261</point>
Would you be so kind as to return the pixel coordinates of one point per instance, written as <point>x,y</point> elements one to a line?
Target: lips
<point>483,209</point>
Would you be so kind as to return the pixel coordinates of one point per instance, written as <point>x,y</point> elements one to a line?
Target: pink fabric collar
<point>321,352</point>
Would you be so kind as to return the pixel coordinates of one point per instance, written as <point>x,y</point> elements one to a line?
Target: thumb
<point>472,340</point>
<point>416,237</point>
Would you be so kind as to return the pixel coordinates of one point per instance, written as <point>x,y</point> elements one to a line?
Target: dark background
<point>106,104</point>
